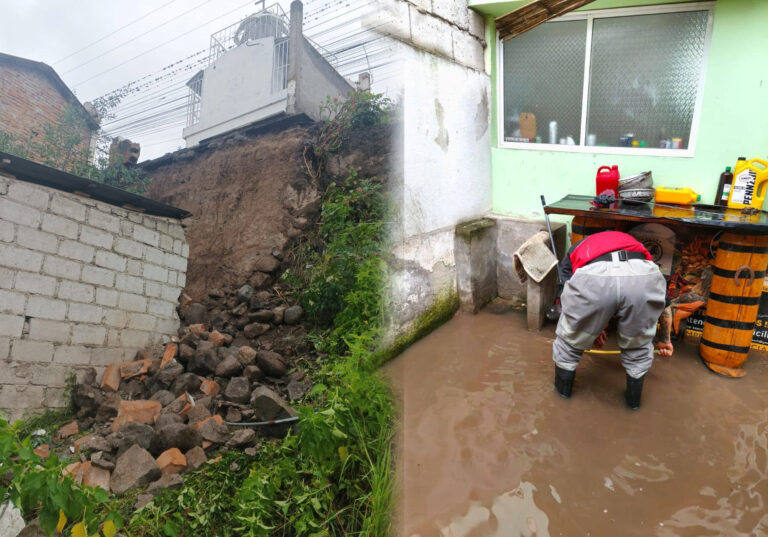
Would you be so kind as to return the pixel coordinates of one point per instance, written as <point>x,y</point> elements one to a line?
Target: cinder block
<point>35,284</point>
<point>42,374</point>
<point>37,240</point>
<point>72,354</point>
<point>135,267</point>
<point>154,255</point>
<point>162,226</point>
<point>476,24</point>
<point>153,272</point>
<point>76,250</point>
<point>171,293</point>
<point>25,350</point>
<point>20,214</point>
<point>177,247</point>
<point>392,18</point>
<point>61,268</point>
<point>135,338</point>
<point>181,280</point>
<point>167,326</point>
<point>60,226</point>
<point>126,228</point>
<point>69,208</point>
<point>145,235</point>
<point>88,334</point>
<point>85,313</point>
<point>28,194</point>
<point>454,11</point>
<point>20,258</point>
<point>161,307</point>
<point>21,398</point>
<point>166,243</point>
<point>106,297</point>
<point>150,222</point>
<point>467,50</point>
<point>45,330</point>
<point>116,318</point>
<point>113,337</point>
<point>141,321</point>
<point>106,356</point>
<point>176,231</point>
<point>104,221</point>
<point>185,250</point>
<point>46,308</point>
<point>5,349</point>
<point>98,276</point>
<point>7,231</point>
<point>430,33</point>
<point>132,284</point>
<point>176,262</point>
<point>129,247</point>
<point>11,325</point>
<point>96,237</point>
<point>11,302</point>
<point>6,278</point>
<point>172,277</point>
<point>78,292</point>
<point>111,261</point>
<point>55,397</point>
<point>153,289</point>
<point>131,302</point>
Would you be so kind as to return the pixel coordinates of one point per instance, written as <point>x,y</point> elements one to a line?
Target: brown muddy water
<point>487,448</point>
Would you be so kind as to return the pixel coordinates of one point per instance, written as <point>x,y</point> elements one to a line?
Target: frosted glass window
<point>644,78</point>
<point>544,76</point>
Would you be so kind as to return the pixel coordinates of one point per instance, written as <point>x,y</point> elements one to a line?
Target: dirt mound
<point>247,200</point>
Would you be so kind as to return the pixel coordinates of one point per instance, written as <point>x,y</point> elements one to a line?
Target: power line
<point>99,40</point>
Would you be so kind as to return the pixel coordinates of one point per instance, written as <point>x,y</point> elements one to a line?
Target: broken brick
<point>197,329</point>
<point>43,450</point>
<point>111,380</point>
<point>169,354</point>
<point>75,471</point>
<point>134,369</point>
<point>141,411</point>
<point>93,476</point>
<point>210,388</point>
<point>69,429</point>
<point>216,338</point>
<point>171,461</point>
<point>82,442</point>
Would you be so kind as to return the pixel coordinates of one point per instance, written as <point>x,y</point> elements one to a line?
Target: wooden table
<point>739,266</point>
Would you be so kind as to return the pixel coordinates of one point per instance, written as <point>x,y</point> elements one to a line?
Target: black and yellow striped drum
<point>734,300</point>
<point>582,226</point>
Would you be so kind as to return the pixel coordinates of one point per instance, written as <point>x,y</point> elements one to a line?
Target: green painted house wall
<point>733,122</point>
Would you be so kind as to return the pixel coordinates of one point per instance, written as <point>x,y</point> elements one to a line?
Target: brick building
<point>32,96</point>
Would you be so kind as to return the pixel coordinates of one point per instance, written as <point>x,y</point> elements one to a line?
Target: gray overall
<point>633,290</point>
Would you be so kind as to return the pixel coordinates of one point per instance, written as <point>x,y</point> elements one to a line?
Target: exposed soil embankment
<point>249,197</point>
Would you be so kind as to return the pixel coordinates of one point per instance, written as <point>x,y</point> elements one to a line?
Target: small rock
<point>216,293</point>
<point>262,316</point>
<point>253,373</point>
<point>186,383</point>
<point>197,414</point>
<point>134,468</point>
<point>195,313</point>
<point>260,279</point>
<point>238,390</point>
<point>293,315</point>
<point>195,457</point>
<point>87,399</point>
<point>186,352</point>
<point>268,405</point>
<point>279,313</point>
<point>176,435</point>
<point>131,434</point>
<point>93,476</point>
<point>110,382</point>
<point>214,430</point>
<point>177,406</point>
<point>297,390</point>
<point>234,415</point>
<point>271,363</point>
<point>217,338</point>
<point>142,500</point>
<point>168,374</point>
<point>250,451</point>
<point>166,481</point>
<point>228,367</point>
<point>241,438</point>
<point>198,330</point>
<point>245,293</point>
<point>246,355</point>
<point>260,300</point>
<point>210,388</point>
<point>204,360</point>
<point>70,429</point>
<point>166,419</point>
<point>100,460</point>
<point>240,309</point>
<point>109,408</point>
<point>171,461</point>
<point>254,330</point>
<point>164,397</point>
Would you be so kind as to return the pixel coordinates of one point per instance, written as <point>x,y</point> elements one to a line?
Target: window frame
<point>590,16</point>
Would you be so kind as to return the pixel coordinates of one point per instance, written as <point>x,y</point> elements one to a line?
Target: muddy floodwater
<point>487,448</point>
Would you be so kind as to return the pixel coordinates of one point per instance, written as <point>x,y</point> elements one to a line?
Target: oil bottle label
<point>744,187</point>
<point>726,191</point>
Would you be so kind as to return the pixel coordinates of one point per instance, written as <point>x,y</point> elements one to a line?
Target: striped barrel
<point>581,226</point>
<point>734,300</point>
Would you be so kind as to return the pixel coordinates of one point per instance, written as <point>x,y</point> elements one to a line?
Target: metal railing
<point>269,22</point>
<point>194,99</point>
<point>280,65</point>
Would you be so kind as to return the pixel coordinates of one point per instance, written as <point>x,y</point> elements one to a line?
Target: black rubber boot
<point>634,391</point>
<point>564,381</point>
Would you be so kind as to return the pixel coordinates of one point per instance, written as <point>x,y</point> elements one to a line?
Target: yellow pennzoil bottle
<point>749,180</point>
<point>678,196</point>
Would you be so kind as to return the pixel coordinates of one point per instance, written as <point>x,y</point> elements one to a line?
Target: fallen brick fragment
<point>43,450</point>
<point>93,476</point>
<point>111,380</point>
<point>68,430</point>
<point>75,471</point>
<point>210,388</point>
<point>197,329</point>
<point>134,369</point>
<point>83,442</point>
<point>171,461</point>
<point>169,354</point>
<point>216,338</point>
<point>141,411</point>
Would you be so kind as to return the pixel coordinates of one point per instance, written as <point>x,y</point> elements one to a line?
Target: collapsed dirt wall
<point>249,197</point>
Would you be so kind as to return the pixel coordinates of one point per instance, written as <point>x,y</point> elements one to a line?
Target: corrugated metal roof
<point>32,172</point>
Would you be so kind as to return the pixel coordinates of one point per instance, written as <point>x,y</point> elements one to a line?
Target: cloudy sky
<point>97,47</point>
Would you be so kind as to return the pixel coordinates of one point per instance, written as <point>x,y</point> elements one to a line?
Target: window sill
<point>600,150</point>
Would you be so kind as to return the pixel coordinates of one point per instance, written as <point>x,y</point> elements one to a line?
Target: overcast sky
<point>54,31</point>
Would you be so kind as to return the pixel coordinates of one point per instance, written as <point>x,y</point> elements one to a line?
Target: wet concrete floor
<point>487,448</point>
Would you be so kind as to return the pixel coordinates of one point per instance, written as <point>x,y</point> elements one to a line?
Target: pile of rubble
<point>238,357</point>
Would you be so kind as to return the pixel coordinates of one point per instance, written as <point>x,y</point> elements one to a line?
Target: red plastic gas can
<point>607,179</point>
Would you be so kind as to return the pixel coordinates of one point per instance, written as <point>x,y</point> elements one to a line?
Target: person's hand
<point>600,341</point>
<point>665,349</point>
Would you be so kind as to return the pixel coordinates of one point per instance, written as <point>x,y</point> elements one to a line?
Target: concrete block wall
<point>82,284</point>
